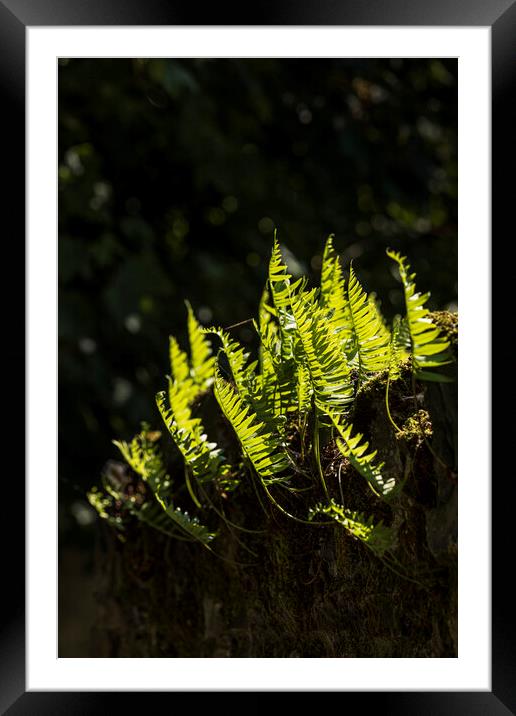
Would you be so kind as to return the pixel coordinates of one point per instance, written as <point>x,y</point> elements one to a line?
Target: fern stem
<point>223,516</point>
<point>340,485</point>
<point>387,404</point>
<point>317,452</point>
<point>190,489</point>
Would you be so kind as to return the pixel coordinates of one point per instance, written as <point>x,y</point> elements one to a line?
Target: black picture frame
<point>15,17</point>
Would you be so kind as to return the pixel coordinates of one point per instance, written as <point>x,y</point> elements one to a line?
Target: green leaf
<point>377,537</point>
<point>356,450</point>
<point>325,360</point>
<point>372,338</point>
<point>428,347</point>
<point>203,363</point>
<point>264,449</point>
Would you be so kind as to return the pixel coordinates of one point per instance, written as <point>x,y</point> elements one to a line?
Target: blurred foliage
<point>172,177</point>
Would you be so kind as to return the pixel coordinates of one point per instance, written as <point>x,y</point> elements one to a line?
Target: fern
<point>280,281</point>
<point>278,376</point>
<point>142,454</point>
<point>333,295</point>
<point>265,451</point>
<point>371,337</point>
<point>377,537</point>
<point>144,457</point>
<point>238,359</point>
<point>179,363</point>
<point>427,346</point>
<point>317,346</point>
<point>352,447</point>
<point>173,522</point>
<point>329,372</point>
<point>203,363</point>
<point>202,458</point>
<point>304,390</point>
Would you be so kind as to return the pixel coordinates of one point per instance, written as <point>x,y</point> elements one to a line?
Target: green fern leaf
<point>352,447</point>
<point>371,337</point>
<point>304,390</point>
<point>203,458</point>
<point>203,363</point>
<point>190,525</point>
<point>377,537</point>
<point>329,373</point>
<point>264,449</point>
<point>333,295</point>
<point>143,456</point>
<point>428,347</point>
<point>179,364</point>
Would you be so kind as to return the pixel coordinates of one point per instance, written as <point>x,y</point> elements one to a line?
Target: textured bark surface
<point>307,591</point>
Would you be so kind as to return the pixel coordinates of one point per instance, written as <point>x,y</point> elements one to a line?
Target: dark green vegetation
<point>269,474</point>
<point>172,175</point>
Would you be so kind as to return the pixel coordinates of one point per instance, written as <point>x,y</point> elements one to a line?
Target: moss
<point>448,322</point>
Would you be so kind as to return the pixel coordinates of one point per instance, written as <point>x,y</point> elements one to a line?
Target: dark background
<point>173,175</point>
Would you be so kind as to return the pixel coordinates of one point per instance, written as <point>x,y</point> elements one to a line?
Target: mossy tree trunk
<point>295,590</point>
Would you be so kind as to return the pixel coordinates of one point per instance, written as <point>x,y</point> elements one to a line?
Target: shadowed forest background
<point>173,175</point>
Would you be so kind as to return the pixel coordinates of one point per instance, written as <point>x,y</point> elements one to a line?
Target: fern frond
<point>181,398</point>
<point>203,458</point>
<point>377,537</point>
<point>333,294</point>
<point>428,347</point>
<point>238,358</point>
<point>278,376</point>
<point>330,257</point>
<point>179,364</point>
<point>190,525</point>
<point>103,503</point>
<point>202,360</point>
<point>304,390</point>
<point>329,372</point>
<point>264,449</point>
<point>265,311</point>
<point>352,447</point>
<point>143,456</point>
<point>371,336</point>
<point>280,281</point>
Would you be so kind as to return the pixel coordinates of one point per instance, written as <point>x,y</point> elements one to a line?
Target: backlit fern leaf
<point>143,455</point>
<point>397,347</point>
<point>179,364</point>
<point>278,376</point>
<point>329,373</point>
<point>333,294</point>
<point>264,449</point>
<point>203,458</point>
<point>371,336</point>
<point>190,525</point>
<point>428,347</point>
<point>304,390</point>
<point>202,360</point>
<point>377,537</point>
<point>280,281</point>
<point>238,358</point>
<point>353,448</point>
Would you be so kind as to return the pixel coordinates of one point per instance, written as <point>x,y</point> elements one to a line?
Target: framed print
<point>287,516</point>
